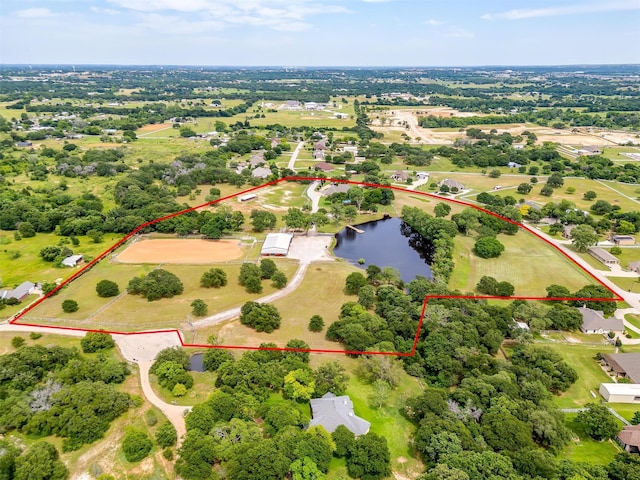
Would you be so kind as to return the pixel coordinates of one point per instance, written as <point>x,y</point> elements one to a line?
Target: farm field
<point>527,263</point>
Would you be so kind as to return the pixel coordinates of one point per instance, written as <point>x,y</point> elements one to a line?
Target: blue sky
<point>320,32</point>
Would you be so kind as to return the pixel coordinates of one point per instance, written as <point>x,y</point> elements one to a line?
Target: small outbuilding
<point>330,412</point>
<point>276,244</point>
<point>623,240</point>
<point>72,260</point>
<point>620,392</point>
<point>246,198</point>
<point>603,256</point>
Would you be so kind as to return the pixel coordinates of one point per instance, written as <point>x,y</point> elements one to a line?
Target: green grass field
<point>587,449</point>
<point>29,266</point>
<point>321,293</point>
<point>527,263</point>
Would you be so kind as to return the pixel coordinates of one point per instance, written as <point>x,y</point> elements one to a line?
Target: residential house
<point>593,321</point>
<point>320,145</point>
<point>635,266</point>
<point>292,105</point>
<point>330,412</point>
<point>629,438</point>
<point>513,165</point>
<point>566,231</point>
<point>336,188</point>
<point>452,184</point>
<point>318,154</point>
<point>261,172</point>
<point>324,167</point>
<point>590,150</point>
<point>400,176</point>
<point>350,149</point>
<point>603,256</point>
<point>19,293</point>
<point>624,365</point>
<point>257,159</point>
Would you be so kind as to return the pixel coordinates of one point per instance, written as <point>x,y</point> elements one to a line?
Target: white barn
<point>620,392</point>
<point>276,244</point>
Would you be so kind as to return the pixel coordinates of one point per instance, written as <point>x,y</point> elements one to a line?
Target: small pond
<point>196,363</point>
<point>387,243</point>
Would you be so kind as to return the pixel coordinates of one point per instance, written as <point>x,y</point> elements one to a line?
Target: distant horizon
<point>358,33</point>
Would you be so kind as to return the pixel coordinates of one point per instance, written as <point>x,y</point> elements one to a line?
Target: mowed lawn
<point>590,375</point>
<point>30,267</point>
<point>588,449</point>
<point>527,262</point>
<point>320,293</point>
<point>133,312</point>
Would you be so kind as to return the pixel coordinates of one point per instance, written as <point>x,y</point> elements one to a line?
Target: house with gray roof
<point>593,321</point>
<point>257,159</point>
<point>603,256</point>
<point>261,172</point>
<point>625,365</point>
<point>19,293</point>
<point>451,184</point>
<point>339,188</point>
<point>635,266</point>
<point>330,412</point>
<point>400,176</point>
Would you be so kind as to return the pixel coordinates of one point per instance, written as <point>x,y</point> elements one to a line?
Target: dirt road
<point>412,122</point>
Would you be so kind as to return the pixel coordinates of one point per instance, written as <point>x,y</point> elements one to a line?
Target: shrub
<point>70,306</point>
<point>316,324</point>
<point>199,307</point>
<point>107,288</point>
<point>96,341</point>
<point>214,278</point>
<point>261,317</point>
<point>35,335</point>
<point>279,280</point>
<point>151,418</point>
<point>488,247</point>
<point>17,342</point>
<point>136,445</point>
<point>616,251</point>
<point>214,357</point>
<point>179,390</point>
<point>167,453</point>
<point>166,435</point>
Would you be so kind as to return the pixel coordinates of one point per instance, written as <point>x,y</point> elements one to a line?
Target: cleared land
<point>527,263</point>
<point>181,251</point>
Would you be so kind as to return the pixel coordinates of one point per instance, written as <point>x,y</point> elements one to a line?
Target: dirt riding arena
<point>190,251</point>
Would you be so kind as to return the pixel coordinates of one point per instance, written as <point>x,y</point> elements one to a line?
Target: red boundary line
<point>100,257</point>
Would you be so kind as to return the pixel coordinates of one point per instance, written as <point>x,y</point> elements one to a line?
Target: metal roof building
<point>277,244</point>
<point>620,392</point>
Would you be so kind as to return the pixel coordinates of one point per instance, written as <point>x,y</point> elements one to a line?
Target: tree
<point>635,420</point>
<point>390,275</point>
<point>354,282</point>
<point>330,377</point>
<point>557,291</point>
<point>298,345</point>
<point>69,306</point>
<point>356,195</point>
<point>555,180</point>
<point>344,440</point>
<point>279,280</point>
<point>213,278</point>
<point>601,207</point>
<point>267,268</point>
<point>136,445</point>
<point>624,466</point>
<point>97,341</point>
<point>299,385</point>
<point>488,247</point>
<point>166,435</point>
<point>8,455</point>
<point>441,210</point>
<point>95,235</point>
<point>253,285</point>
<point>214,357</point>
<point>589,195</point>
<point>380,395</point>
<point>316,323</point>
<point>199,308</point>
<point>296,219</point>
<point>524,188</point>
<point>504,289</point>
<point>583,236</point>
<point>487,285</point>
<point>367,296</point>
<point>369,458</point>
<point>50,253</point>
<point>155,285</point>
<point>261,461</point>
<point>262,220</point>
<point>107,288</point>
<point>172,373</point>
<point>494,173</point>
<point>261,317</point>
<point>197,454</point>
<point>186,132</point>
<point>305,469</point>
<point>40,462</point>
<point>26,230</point>
<point>250,277</point>
<point>547,191</point>
<point>598,422</point>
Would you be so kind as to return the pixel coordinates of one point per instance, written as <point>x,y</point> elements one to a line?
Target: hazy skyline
<point>319,32</point>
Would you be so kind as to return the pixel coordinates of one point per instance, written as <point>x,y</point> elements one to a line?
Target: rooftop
<point>627,363</point>
<point>594,320</point>
<point>630,435</point>
<point>331,412</point>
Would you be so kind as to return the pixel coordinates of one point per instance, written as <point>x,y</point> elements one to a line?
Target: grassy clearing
<point>136,313</point>
<point>590,375</point>
<point>628,255</point>
<point>527,263</point>
<point>29,266</point>
<point>587,449</point>
<point>633,319</point>
<point>203,385</point>
<point>321,292</point>
<point>593,262</point>
<point>630,284</point>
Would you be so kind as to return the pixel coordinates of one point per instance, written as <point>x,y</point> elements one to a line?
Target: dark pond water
<point>196,364</point>
<point>387,243</point>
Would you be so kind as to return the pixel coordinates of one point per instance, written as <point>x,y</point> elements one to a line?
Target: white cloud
<point>34,13</point>
<point>434,23</point>
<point>603,6</point>
<point>281,15</point>
<point>104,11</point>
<point>457,32</point>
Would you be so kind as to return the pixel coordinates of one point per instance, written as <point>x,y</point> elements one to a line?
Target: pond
<point>196,363</point>
<point>387,243</point>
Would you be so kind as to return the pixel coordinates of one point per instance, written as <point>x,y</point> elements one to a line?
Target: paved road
<point>294,156</point>
<point>314,196</point>
<point>235,312</point>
